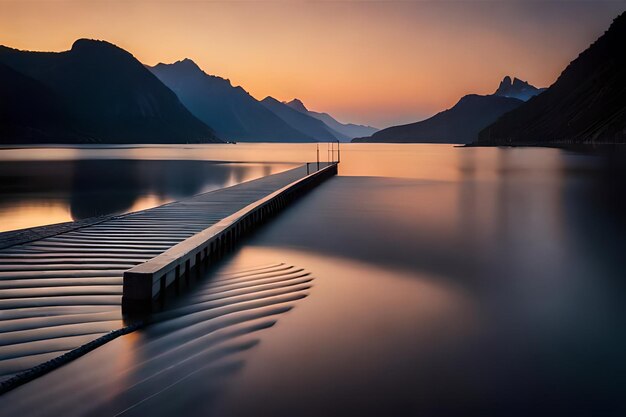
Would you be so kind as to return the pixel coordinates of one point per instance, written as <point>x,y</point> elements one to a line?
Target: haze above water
<point>443,281</point>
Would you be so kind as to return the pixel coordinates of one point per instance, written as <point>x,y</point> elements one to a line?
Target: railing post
<point>327,153</point>
<point>338,154</point>
<point>318,156</point>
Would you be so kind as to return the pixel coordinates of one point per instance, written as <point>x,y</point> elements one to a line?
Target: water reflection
<point>448,281</point>
<point>242,152</point>
<point>36,192</point>
<point>200,340</point>
<point>495,290</point>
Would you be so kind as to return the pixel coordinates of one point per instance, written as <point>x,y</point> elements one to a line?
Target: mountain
<point>459,124</point>
<point>586,104</point>
<point>517,89</point>
<point>346,130</point>
<point>231,111</point>
<point>302,122</point>
<point>297,105</point>
<point>32,113</point>
<point>108,95</point>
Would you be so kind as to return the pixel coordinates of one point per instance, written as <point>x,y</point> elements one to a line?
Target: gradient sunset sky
<point>374,62</point>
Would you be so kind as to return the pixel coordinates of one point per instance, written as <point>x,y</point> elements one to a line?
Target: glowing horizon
<point>369,62</point>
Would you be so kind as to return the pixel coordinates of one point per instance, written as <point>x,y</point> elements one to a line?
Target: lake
<point>422,280</point>
<point>54,185</point>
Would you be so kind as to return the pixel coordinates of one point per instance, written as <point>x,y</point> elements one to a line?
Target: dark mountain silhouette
<point>344,131</point>
<point>231,111</point>
<point>31,113</point>
<point>517,89</point>
<point>587,103</point>
<point>459,124</point>
<point>302,122</point>
<point>110,96</point>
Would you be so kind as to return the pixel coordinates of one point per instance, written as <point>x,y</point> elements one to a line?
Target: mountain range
<point>236,115</point>
<point>346,130</point>
<point>308,125</point>
<point>231,111</point>
<point>586,104</point>
<point>95,92</point>
<point>462,122</point>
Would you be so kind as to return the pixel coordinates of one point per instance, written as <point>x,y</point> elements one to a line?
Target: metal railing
<point>333,155</point>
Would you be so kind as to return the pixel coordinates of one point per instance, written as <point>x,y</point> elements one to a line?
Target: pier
<point>146,281</point>
<point>67,286</point>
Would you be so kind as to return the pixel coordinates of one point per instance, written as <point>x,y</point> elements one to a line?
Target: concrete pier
<point>67,286</point>
<point>146,281</point>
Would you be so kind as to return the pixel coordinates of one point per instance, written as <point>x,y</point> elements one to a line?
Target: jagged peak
<point>190,67</point>
<point>516,87</point>
<point>297,104</point>
<point>187,63</point>
<point>506,82</point>
<point>520,83</point>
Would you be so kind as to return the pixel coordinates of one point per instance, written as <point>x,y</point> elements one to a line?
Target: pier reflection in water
<point>35,192</point>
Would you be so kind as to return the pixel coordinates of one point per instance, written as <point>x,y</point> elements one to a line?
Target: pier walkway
<point>63,291</point>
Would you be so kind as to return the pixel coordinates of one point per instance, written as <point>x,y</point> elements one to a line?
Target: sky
<point>374,62</point>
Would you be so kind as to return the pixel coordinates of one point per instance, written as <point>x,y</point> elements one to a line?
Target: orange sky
<point>375,62</point>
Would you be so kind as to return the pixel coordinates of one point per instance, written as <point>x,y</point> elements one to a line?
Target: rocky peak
<point>517,88</point>
<point>296,104</point>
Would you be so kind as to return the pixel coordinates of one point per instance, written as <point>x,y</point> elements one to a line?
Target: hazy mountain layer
<point>302,122</point>
<point>231,111</point>
<point>344,131</point>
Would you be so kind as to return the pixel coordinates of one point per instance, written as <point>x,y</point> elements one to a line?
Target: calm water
<point>38,192</point>
<point>423,280</point>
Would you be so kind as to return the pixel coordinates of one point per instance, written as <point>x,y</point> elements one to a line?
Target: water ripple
<point>199,339</point>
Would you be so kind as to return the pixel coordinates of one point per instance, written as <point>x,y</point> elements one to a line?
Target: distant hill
<point>459,124</point>
<point>231,111</point>
<point>346,131</point>
<point>302,122</point>
<point>101,91</point>
<point>587,103</point>
<point>517,89</point>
